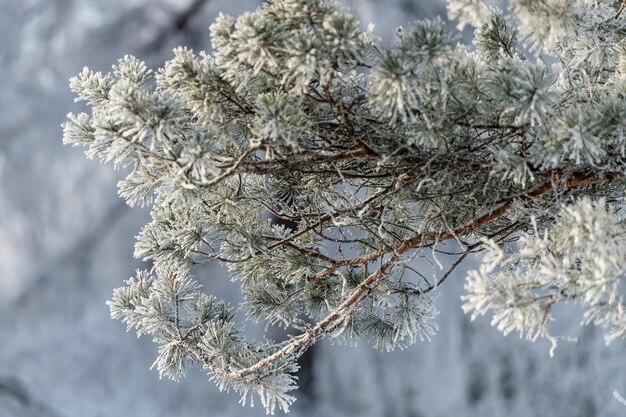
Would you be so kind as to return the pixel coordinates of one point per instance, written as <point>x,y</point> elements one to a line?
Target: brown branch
<point>335,317</point>
<point>326,217</point>
<point>322,327</point>
<point>446,275</point>
<point>232,170</point>
<point>301,250</point>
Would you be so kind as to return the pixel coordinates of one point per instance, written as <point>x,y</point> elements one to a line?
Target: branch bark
<point>335,318</point>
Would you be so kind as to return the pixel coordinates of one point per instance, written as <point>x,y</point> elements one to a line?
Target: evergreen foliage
<point>387,158</point>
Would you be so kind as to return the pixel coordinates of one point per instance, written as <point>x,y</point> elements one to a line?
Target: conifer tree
<point>387,157</point>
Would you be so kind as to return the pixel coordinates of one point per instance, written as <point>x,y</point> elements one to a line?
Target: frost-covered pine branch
<point>580,258</point>
<point>394,162</point>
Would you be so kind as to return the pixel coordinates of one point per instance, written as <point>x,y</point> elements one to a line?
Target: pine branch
<point>377,156</point>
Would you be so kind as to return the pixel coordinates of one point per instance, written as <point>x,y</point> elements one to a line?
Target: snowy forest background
<point>66,240</point>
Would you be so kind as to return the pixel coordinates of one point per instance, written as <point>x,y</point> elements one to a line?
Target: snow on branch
<point>392,163</point>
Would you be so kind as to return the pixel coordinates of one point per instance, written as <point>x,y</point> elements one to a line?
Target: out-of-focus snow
<point>66,241</point>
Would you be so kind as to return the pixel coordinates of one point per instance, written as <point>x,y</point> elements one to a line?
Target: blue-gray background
<point>66,241</point>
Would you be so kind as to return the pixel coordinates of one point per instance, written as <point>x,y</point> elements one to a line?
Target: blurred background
<point>66,240</point>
